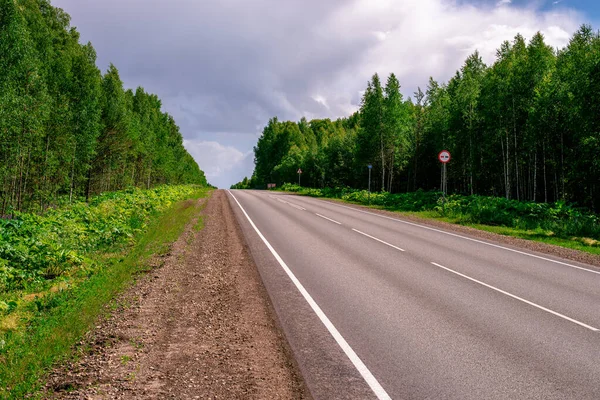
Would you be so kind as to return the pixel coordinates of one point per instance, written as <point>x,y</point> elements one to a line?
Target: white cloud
<point>217,161</point>
<point>426,38</point>
<point>223,68</point>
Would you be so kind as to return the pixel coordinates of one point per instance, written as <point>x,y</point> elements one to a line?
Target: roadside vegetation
<point>94,180</point>
<point>67,131</point>
<point>60,269</point>
<point>524,128</point>
<point>555,223</point>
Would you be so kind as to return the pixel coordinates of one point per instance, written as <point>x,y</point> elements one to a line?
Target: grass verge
<point>57,320</point>
<point>539,235</point>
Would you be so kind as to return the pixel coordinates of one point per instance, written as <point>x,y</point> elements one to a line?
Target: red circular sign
<point>444,156</point>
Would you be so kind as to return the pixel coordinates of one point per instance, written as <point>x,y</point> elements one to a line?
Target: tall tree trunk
<point>391,172</point>
<point>42,205</point>
<point>88,184</point>
<point>534,198</point>
<point>382,165</point>
<point>562,166</point>
<point>27,169</point>
<point>507,166</point>
<point>149,175</point>
<point>516,150</point>
<point>73,174</point>
<point>545,178</point>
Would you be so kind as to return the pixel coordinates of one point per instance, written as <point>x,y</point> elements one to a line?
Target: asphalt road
<point>376,307</point>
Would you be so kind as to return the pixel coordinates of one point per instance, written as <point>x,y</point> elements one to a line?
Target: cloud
<point>218,161</point>
<point>223,68</point>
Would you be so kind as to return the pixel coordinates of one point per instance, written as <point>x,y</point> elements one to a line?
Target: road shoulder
<point>197,326</point>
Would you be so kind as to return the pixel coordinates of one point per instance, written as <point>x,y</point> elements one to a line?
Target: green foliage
<point>559,219</point>
<point>526,128</point>
<point>68,131</point>
<point>562,219</point>
<point>40,328</point>
<point>36,248</point>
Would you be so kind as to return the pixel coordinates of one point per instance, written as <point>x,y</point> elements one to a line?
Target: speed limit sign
<point>444,156</point>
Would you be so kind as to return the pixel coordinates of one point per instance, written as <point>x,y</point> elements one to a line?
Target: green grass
<point>55,321</point>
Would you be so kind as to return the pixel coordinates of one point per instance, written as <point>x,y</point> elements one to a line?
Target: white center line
<point>379,240</point>
<point>373,383</point>
<point>466,238</point>
<point>329,219</point>
<point>519,298</point>
<point>291,204</point>
<point>296,206</point>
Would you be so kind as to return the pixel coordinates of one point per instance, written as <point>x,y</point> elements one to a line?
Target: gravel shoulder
<point>199,325</point>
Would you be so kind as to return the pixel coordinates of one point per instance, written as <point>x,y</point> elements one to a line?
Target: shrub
<point>35,248</point>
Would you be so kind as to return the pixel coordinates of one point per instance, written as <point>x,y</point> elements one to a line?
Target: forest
<point>66,130</point>
<point>525,128</point>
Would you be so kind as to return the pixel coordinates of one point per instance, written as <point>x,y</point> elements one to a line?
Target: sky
<point>224,68</point>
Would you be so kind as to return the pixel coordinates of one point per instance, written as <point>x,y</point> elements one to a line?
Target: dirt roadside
<point>199,326</point>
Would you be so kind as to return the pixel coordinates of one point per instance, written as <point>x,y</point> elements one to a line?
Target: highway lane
<point>430,314</point>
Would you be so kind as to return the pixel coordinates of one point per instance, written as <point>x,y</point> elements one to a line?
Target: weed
<point>40,330</point>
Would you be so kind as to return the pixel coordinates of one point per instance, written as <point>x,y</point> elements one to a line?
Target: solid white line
<point>329,219</point>
<point>358,364</point>
<point>379,240</point>
<point>468,238</point>
<point>519,298</point>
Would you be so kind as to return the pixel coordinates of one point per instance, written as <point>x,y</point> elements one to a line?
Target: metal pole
<point>299,179</point>
<point>445,182</point>
<point>369,186</point>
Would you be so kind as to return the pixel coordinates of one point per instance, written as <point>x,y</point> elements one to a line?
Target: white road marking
<point>468,238</point>
<point>379,240</point>
<point>518,298</point>
<point>291,204</point>
<point>329,219</point>
<point>297,206</point>
<point>356,361</point>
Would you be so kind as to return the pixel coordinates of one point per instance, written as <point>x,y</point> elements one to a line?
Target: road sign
<point>369,166</point>
<point>444,156</point>
<point>299,171</point>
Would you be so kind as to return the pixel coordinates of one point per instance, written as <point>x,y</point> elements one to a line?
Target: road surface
<point>376,307</point>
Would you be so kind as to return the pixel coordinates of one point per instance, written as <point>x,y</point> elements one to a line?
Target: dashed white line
<point>375,386</point>
<point>518,298</point>
<point>379,240</point>
<point>296,206</point>
<point>329,219</point>
<point>289,204</point>
<point>468,238</point>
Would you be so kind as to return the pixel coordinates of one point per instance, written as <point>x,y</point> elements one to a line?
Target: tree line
<point>66,130</point>
<point>526,128</point>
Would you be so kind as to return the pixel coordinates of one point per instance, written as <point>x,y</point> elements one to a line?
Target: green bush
<point>36,248</point>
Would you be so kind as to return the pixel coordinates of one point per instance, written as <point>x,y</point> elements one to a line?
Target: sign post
<point>370,166</point>
<point>444,157</point>
<point>299,173</point>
